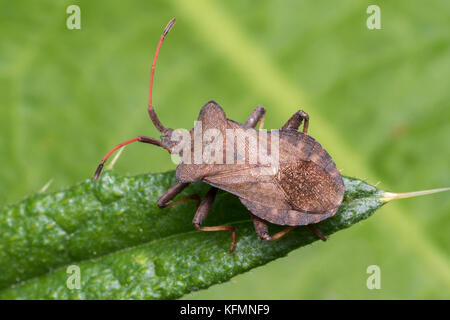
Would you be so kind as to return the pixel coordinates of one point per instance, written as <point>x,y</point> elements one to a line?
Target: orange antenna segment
<point>151,111</point>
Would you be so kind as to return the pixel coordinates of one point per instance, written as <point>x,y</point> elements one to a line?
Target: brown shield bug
<point>304,188</point>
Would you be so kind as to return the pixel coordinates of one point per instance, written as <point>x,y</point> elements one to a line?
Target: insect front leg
<point>263,230</point>
<point>163,202</point>
<point>259,114</point>
<point>202,213</point>
<point>296,120</point>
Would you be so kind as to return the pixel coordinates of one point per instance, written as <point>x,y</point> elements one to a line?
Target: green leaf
<point>128,248</point>
<point>378,102</point>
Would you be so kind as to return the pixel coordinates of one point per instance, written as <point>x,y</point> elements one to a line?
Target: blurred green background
<point>379,102</point>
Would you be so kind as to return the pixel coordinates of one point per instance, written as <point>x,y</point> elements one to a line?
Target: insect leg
<point>202,213</point>
<point>163,202</point>
<point>258,114</point>
<point>296,120</point>
<point>316,232</point>
<point>263,231</point>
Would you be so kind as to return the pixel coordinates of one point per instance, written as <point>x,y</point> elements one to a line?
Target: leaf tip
<point>389,196</point>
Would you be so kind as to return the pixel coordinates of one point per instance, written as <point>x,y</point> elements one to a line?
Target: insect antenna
<point>151,111</point>
<point>120,145</point>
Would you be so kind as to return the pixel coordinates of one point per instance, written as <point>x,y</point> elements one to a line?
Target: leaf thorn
<point>114,160</point>
<point>46,186</point>
<point>389,196</point>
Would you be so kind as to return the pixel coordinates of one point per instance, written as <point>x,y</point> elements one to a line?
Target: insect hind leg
<point>263,231</point>
<point>317,232</point>
<point>296,120</point>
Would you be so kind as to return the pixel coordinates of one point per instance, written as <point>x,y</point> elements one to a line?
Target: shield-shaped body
<point>292,182</point>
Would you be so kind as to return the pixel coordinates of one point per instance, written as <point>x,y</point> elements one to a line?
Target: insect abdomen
<point>308,187</point>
